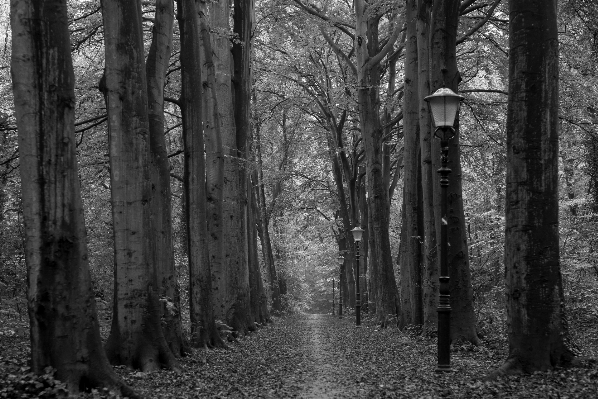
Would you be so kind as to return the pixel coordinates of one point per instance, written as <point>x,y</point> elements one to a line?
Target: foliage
<point>30,385</point>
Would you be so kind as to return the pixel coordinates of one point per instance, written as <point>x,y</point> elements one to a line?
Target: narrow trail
<point>330,371</point>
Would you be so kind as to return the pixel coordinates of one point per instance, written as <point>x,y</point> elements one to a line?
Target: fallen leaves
<point>320,356</point>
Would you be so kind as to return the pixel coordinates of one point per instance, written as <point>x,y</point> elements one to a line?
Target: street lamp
<point>341,262</point>
<point>444,104</point>
<point>357,234</point>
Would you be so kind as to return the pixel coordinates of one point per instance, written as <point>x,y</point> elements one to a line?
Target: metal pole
<point>357,294</point>
<point>444,305</point>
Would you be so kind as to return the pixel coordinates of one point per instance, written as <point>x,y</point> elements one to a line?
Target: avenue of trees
<point>175,168</point>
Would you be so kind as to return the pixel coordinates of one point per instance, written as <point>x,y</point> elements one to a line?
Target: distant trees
<point>351,67</point>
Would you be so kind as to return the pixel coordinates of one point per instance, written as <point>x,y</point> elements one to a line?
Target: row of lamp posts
<point>444,105</point>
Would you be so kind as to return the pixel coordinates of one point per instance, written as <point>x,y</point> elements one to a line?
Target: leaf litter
<point>320,356</point>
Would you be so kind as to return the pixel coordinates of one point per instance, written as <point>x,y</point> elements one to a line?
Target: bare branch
<point>477,26</point>
<point>315,11</point>
<point>338,51</point>
<point>386,49</point>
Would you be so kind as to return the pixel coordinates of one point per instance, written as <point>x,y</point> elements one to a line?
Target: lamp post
<point>444,104</point>
<point>357,234</point>
<point>341,262</point>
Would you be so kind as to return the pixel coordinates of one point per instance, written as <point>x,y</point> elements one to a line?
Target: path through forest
<point>330,368</point>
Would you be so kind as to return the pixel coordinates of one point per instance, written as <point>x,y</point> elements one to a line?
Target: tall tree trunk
<point>430,270</point>
<point>162,246</point>
<point>264,218</point>
<point>136,337</point>
<point>62,312</point>
<point>444,73</point>
<point>203,327</point>
<point>535,321</point>
<point>369,286</point>
<point>387,301</point>
<point>411,235</point>
<point>259,300</point>
<point>241,51</point>
<point>232,278</point>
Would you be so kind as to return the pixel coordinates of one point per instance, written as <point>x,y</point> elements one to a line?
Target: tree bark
<point>536,325</point>
<point>430,265</point>
<point>444,73</point>
<point>259,300</point>
<point>203,327</point>
<point>136,337</point>
<point>63,321</point>
<point>411,256</point>
<point>162,246</point>
<point>241,51</point>
<point>367,47</point>
<point>232,278</point>
<point>264,230</point>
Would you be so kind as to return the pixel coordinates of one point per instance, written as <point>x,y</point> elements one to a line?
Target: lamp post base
<point>443,368</point>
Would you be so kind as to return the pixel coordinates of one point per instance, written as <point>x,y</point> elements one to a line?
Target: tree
<point>64,325</point>
<point>231,274</point>
<point>410,254</point>
<point>193,109</point>
<point>537,330</point>
<point>444,72</point>
<point>162,247</point>
<point>241,51</point>
<point>370,54</point>
<point>431,49</point>
<point>136,338</point>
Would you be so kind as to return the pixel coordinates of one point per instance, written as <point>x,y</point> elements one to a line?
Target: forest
<point>183,184</point>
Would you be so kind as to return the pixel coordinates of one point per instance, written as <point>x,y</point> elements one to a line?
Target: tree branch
<point>386,49</point>
<point>338,51</point>
<point>477,26</point>
<point>315,11</point>
<point>173,101</point>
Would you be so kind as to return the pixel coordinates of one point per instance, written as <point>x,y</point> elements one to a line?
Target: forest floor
<point>322,356</point>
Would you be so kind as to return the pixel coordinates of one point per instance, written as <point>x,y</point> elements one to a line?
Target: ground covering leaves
<point>321,356</point>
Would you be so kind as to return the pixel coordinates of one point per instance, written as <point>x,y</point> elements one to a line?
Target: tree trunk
<point>259,300</point>
<point>203,327</point>
<point>136,337</point>
<point>368,277</point>
<point>411,233</point>
<point>232,277</point>
<point>535,321</point>
<point>430,270</point>
<point>264,218</point>
<point>444,73</point>
<point>63,321</point>
<point>162,246</point>
<point>387,301</point>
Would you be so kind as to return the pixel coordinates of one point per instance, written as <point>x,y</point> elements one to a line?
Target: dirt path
<point>331,372</point>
